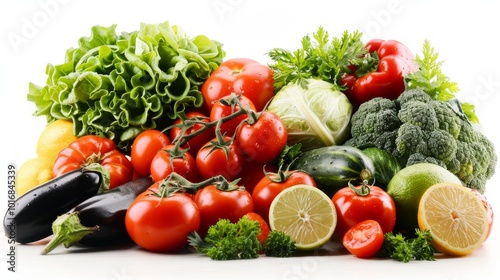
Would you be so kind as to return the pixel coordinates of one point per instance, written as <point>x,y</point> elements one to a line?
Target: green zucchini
<point>332,167</point>
<point>386,165</point>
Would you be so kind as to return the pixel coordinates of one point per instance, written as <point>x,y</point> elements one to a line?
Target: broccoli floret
<point>416,128</point>
<point>376,123</point>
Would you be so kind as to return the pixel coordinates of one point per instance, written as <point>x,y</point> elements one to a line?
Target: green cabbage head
<point>316,116</point>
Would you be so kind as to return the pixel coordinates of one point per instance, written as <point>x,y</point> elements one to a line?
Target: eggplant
<point>107,210</point>
<point>34,212</point>
<point>98,221</point>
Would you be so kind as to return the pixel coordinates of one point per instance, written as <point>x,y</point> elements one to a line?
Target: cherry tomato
<point>263,140</point>
<point>364,239</point>
<point>161,224</point>
<point>239,75</point>
<point>215,204</point>
<point>94,149</point>
<point>165,162</point>
<point>194,144</point>
<point>252,172</point>
<point>212,161</point>
<point>271,185</point>
<point>144,149</point>
<point>361,203</point>
<point>264,227</point>
<point>488,208</point>
<point>221,109</point>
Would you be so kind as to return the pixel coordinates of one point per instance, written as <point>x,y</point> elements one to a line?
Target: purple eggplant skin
<point>34,212</point>
<point>107,210</point>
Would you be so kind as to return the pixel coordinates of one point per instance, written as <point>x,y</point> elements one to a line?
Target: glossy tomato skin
<point>198,141</point>
<point>264,227</point>
<point>94,149</point>
<point>161,224</point>
<point>163,164</point>
<point>220,110</point>
<point>353,209</point>
<point>144,149</point>
<point>212,162</point>
<point>263,140</point>
<point>215,204</point>
<point>239,75</point>
<point>267,189</point>
<point>252,172</point>
<point>364,239</point>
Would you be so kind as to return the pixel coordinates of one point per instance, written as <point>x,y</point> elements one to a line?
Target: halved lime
<point>306,214</point>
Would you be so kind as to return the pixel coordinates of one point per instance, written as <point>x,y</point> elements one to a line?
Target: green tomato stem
<point>364,188</point>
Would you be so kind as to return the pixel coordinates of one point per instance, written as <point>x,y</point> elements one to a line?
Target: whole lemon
<point>33,173</point>
<point>55,137</point>
<point>407,187</point>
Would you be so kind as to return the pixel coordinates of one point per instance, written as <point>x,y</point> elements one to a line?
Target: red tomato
<point>144,149</point>
<point>215,204</point>
<point>161,224</point>
<point>353,208</point>
<point>263,140</point>
<point>271,185</point>
<point>239,75</point>
<point>94,149</point>
<point>252,172</point>
<point>221,109</point>
<point>264,227</point>
<point>364,239</point>
<point>194,144</point>
<point>164,163</point>
<point>212,161</point>
<point>488,208</point>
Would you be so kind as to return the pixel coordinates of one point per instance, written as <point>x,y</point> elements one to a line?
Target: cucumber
<point>386,165</point>
<point>332,167</point>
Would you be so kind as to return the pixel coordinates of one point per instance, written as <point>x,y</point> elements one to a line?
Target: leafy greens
<point>117,85</point>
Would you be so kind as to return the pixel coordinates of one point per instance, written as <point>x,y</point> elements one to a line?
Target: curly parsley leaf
<point>229,241</point>
<point>432,80</point>
<point>397,247</point>
<point>319,57</point>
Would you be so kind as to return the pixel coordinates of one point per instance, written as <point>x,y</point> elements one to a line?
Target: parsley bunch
<point>319,57</point>
<point>229,241</point>
<point>397,247</point>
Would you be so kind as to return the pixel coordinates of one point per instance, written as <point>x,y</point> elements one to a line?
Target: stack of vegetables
<point>170,131</point>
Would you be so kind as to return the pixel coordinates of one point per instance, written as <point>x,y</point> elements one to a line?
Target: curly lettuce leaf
<point>117,85</point>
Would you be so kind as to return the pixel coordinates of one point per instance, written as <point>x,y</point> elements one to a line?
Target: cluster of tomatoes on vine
<point>207,166</point>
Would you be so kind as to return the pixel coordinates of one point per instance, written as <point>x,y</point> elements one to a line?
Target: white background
<point>34,33</point>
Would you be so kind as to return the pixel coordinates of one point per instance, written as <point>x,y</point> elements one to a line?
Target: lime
<point>407,187</point>
<point>306,214</point>
<point>456,218</point>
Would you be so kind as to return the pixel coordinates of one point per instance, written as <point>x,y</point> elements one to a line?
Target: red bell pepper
<point>382,72</point>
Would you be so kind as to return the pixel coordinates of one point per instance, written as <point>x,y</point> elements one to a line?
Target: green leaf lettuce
<point>117,85</point>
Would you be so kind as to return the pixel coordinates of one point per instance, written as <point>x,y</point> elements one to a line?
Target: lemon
<point>407,187</point>
<point>455,217</point>
<point>55,137</point>
<point>33,173</point>
<point>306,214</point>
